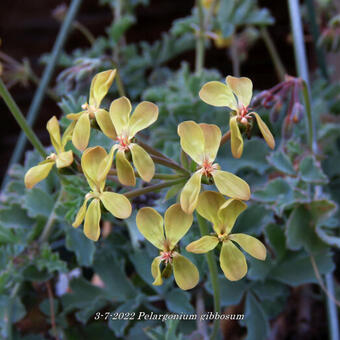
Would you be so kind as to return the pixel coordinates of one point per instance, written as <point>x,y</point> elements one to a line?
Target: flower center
<point>208,168</point>
<point>166,256</point>
<point>123,141</point>
<point>91,109</point>
<point>243,114</point>
<point>52,157</point>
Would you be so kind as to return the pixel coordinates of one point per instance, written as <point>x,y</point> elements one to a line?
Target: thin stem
<point>151,188</point>
<point>156,176</point>
<point>85,31</point>
<point>153,151</point>
<point>34,78</point>
<point>213,275</point>
<point>200,40</point>
<point>225,138</point>
<point>51,220</point>
<point>320,55</point>
<point>310,125</point>
<point>45,80</point>
<point>19,117</point>
<point>119,82</point>
<point>169,164</point>
<point>235,60</point>
<point>52,314</point>
<point>279,67</point>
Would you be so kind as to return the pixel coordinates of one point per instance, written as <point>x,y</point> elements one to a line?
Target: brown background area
<point>27,29</point>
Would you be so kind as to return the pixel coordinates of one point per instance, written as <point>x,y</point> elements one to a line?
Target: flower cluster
<point>199,141</point>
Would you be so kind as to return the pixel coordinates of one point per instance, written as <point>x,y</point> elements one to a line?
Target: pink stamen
<point>166,256</point>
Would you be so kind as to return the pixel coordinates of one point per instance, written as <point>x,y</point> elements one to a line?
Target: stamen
<point>166,256</point>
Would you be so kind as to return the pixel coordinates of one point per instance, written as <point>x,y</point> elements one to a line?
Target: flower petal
<point>125,172</point>
<point>92,219</point>
<point>232,261</point>
<point>242,87</point>
<point>190,192</point>
<point>68,133</point>
<point>105,166</point>
<point>75,116</point>
<point>100,85</point>
<point>185,272</point>
<point>203,245</point>
<point>81,132</point>
<point>192,140</point>
<point>80,215</point>
<point>105,123</point>
<point>143,162</point>
<point>38,173</point>
<point>218,94</point>
<point>119,112</point>
<point>54,131</point>
<point>91,160</point>
<point>208,206</point>
<point>117,204</point>
<point>64,159</point>
<point>267,135</point>
<point>236,138</point>
<point>156,271</point>
<point>251,245</point>
<point>231,185</point>
<point>228,213</point>
<point>145,114</point>
<point>150,224</point>
<point>176,224</point>
<point>212,139</point>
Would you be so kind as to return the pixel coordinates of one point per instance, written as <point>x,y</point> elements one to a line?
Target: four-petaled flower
<point>201,142</point>
<point>96,164</point>
<point>222,214</point>
<point>218,94</point>
<point>126,127</point>
<point>81,133</point>
<point>61,159</point>
<point>165,237</point>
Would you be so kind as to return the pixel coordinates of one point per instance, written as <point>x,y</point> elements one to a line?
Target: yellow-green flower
<point>236,94</point>
<point>96,164</point>
<point>99,87</point>
<point>201,142</point>
<point>61,159</point>
<point>222,214</point>
<point>126,127</point>
<point>165,236</point>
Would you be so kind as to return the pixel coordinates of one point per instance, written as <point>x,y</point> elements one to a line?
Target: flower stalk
<point>151,188</point>
<point>200,39</point>
<point>19,117</point>
<point>213,275</point>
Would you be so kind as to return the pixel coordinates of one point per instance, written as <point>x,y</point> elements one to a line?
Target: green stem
<point>279,67</point>
<point>156,176</point>
<point>235,59</point>
<point>200,40</point>
<point>310,127</point>
<point>302,66</point>
<point>45,80</point>
<point>153,151</point>
<point>213,275</point>
<point>19,117</point>
<point>151,188</point>
<point>34,78</point>
<point>119,82</point>
<point>301,61</point>
<point>225,138</point>
<point>320,55</point>
<point>51,220</point>
<point>169,164</point>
